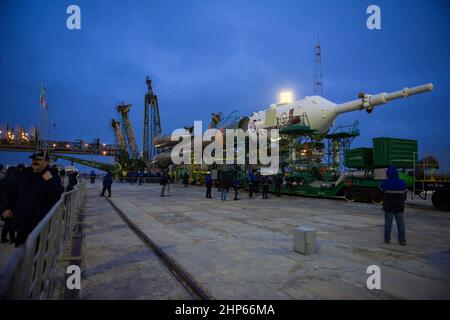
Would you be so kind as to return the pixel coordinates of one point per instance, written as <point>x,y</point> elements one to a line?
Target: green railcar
<point>365,170</point>
<point>401,153</point>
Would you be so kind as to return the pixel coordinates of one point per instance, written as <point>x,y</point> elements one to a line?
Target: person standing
<point>169,181</point>
<point>32,195</point>
<point>73,181</point>
<point>223,183</point>
<point>394,198</point>
<point>278,182</point>
<point>5,187</point>
<point>236,186</point>
<point>2,174</point>
<point>20,169</point>
<point>208,184</point>
<point>163,182</point>
<point>265,186</point>
<point>93,176</point>
<point>107,182</point>
<point>186,179</point>
<point>251,183</point>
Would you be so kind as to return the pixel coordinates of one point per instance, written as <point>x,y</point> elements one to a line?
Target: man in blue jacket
<point>31,196</point>
<point>394,190</point>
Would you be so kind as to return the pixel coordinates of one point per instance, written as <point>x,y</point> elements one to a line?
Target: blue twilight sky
<point>222,55</point>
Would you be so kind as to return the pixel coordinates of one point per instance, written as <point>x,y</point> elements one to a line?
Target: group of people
<point>107,182</point>
<point>393,187</point>
<point>165,180</point>
<point>226,181</point>
<point>394,190</point>
<point>28,193</point>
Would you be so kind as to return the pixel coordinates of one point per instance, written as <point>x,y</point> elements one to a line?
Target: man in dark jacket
<point>394,204</point>
<point>251,183</point>
<point>278,182</point>
<point>31,197</point>
<point>107,182</point>
<point>2,174</point>
<point>265,186</point>
<point>20,169</point>
<point>236,186</point>
<point>186,179</point>
<point>208,184</point>
<point>5,187</point>
<point>93,176</point>
<point>163,182</point>
<point>72,176</point>
<point>224,185</point>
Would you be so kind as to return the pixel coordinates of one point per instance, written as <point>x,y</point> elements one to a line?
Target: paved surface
<point>6,250</point>
<point>117,265</point>
<point>243,249</point>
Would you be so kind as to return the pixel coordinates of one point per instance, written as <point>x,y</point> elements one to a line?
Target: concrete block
<point>305,240</point>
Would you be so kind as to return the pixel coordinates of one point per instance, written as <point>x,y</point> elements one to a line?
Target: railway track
<point>194,289</point>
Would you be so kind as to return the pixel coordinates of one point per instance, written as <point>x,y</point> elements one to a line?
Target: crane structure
<point>216,118</point>
<point>115,124</point>
<point>108,167</point>
<point>127,131</point>
<point>152,124</point>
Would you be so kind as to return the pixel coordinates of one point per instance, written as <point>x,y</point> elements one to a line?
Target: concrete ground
<point>116,263</point>
<point>243,249</point>
<point>6,250</point>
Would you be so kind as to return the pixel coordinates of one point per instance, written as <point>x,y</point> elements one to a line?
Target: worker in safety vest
<point>394,198</point>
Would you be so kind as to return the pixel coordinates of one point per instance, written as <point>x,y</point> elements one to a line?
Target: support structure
<point>127,130</point>
<point>318,89</point>
<point>118,134</point>
<point>338,142</point>
<point>152,124</point>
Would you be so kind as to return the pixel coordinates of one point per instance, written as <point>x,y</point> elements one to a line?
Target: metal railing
<point>30,272</point>
<point>432,167</point>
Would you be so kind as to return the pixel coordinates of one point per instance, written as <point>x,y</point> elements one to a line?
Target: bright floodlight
<point>286,97</point>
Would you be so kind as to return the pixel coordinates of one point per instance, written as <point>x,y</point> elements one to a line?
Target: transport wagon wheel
<point>351,194</point>
<point>437,199</point>
<point>376,196</point>
<point>364,195</point>
<point>440,199</point>
<point>447,200</point>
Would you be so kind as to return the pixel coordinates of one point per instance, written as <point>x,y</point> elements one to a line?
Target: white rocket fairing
<point>321,112</point>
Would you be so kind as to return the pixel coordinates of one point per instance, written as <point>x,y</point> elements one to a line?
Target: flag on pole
<point>43,99</point>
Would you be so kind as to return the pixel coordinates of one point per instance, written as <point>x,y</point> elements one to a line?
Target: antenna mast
<point>318,89</point>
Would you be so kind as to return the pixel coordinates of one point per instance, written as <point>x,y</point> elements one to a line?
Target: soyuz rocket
<point>319,112</point>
